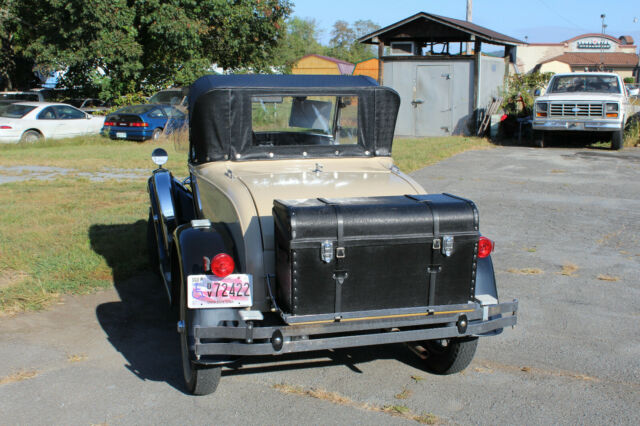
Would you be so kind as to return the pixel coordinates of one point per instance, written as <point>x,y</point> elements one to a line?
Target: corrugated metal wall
<point>445,88</point>
<point>491,79</point>
<point>437,95</point>
<point>315,65</point>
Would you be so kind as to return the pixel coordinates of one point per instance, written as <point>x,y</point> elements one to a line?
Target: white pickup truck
<point>582,102</point>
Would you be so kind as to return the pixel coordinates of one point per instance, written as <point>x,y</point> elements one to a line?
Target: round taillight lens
<point>222,265</point>
<point>485,247</point>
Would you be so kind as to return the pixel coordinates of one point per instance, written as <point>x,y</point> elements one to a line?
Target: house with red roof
<point>586,52</point>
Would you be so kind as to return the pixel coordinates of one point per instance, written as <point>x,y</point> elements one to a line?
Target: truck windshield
<point>304,120</point>
<point>585,83</point>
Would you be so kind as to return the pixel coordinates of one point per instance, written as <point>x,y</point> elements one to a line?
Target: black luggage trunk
<point>359,254</point>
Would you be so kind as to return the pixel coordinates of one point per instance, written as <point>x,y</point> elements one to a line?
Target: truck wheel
<point>199,380</point>
<point>152,244</point>
<point>538,139</point>
<point>617,140</point>
<point>449,356</point>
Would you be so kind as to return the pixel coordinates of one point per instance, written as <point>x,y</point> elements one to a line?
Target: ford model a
<point>295,232</point>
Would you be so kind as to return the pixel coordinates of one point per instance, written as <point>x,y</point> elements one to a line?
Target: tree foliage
<point>344,40</point>
<point>113,47</point>
<point>300,39</point>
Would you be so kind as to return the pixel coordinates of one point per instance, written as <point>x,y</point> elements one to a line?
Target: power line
<point>555,11</point>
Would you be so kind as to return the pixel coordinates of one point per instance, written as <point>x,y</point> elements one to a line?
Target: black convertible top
<point>220,125</point>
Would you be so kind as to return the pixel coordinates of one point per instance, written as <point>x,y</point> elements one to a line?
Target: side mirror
<point>536,92</point>
<point>159,156</point>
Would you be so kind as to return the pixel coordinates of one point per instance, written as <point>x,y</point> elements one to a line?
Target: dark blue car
<point>142,122</point>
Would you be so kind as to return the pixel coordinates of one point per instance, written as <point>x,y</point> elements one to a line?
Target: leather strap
<point>340,274</point>
<point>435,265</point>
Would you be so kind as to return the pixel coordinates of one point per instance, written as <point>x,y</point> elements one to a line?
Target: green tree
<point>300,39</point>
<point>15,69</point>
<point>121,46</point>
<point>344,40</point>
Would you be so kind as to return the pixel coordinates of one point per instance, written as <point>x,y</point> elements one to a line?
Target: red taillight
<point>222,265</point>
<point>485,247</point>
<point>139,124</point>
<point>5,127</point>
<point>109,123</point>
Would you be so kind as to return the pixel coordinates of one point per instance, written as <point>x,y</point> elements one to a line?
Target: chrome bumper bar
<point>578,126</point>
<point>458,321</point>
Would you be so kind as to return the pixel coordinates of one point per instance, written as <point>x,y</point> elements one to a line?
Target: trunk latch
<point>326,251</point>
<point>447,245</point>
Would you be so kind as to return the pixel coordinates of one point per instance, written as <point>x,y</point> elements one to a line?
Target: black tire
<point>152,245</point>
<point>31,136</point>
<point>449,356</point>
<point>156,134</point>
<point>617,140</point>
<point>198,379</point>
<point>538,139</point>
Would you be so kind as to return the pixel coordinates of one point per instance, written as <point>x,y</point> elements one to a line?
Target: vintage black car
<point>295,232</point>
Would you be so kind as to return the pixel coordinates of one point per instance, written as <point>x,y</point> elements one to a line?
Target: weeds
<point>569,269</point>
<point>336,398</point>
<point>526,271</point>
<point>18,377</point>
<point>603,277</point>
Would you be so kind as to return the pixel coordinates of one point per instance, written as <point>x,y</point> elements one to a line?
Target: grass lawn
<point>73,235</point>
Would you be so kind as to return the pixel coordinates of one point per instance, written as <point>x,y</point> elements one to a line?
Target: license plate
<point>210,291</point>
<point>121,135</point>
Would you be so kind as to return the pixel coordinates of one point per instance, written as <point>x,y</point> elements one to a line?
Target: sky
<point>540,21</point>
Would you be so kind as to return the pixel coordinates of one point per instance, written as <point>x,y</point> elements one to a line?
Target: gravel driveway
<point>567,229</point>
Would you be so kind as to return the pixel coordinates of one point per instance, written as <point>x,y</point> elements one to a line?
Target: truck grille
<point>576,110</point>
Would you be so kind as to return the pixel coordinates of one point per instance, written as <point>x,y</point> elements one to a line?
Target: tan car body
<point>240,195</point>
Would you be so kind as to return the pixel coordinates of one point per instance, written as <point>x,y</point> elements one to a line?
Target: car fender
<point>486,279</point>
<point>486,291</point>
<point>162,206</point>
<point>192,244</point>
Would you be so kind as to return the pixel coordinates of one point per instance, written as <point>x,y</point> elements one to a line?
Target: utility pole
<point>469,19</point>
<point>604,27</point>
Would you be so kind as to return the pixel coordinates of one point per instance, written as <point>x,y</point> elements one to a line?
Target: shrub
<point>518,94</point>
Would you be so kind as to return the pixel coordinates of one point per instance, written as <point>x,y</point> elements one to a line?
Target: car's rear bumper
<point>132,135</point>
<point>437,323</point>
<point>10,138</point>
<point>577,126</point>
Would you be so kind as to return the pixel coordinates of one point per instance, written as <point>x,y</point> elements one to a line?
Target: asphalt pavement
<point>567,228</point>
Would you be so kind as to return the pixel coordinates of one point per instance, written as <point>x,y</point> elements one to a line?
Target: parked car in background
<point>176,96</point>
<point>11,97</point>
<point>142,122</point>
<point>582,102</point>
<point>88,104</point>
<point>33,121</point>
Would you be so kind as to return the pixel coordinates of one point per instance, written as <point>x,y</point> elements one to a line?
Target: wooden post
<point>380,63</point>
<point>476,81</point>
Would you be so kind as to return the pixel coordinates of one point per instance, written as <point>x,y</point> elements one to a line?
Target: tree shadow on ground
<point>573,140</point>
<point>142,326</point>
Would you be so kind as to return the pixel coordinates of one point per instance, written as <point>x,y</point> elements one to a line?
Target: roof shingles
<point>591,58</point>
